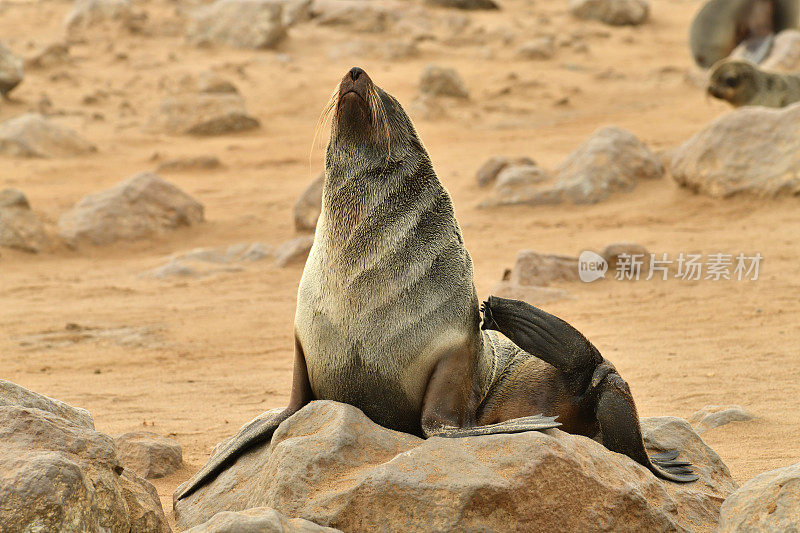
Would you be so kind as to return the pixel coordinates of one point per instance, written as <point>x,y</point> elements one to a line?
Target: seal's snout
<point>355,72</point>
<point>355,82</point>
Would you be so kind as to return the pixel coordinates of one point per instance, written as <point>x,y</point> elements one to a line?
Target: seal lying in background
<point>722,25</point>
<point>388,320</point>
<point>741,83</point>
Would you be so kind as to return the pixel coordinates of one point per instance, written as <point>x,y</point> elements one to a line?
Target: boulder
<point>441,81</point>
<point>20,228</point>
<point>464,4</point>
<point>613,12</point>
<point>309,205</point>
<point>11,72</point>
<point>203,114</point>
<point>260,520</point>
<point>86,14</point>
<point>488,171</point>
<point>714,416</point>
<point>333,466</point>
<point>56,475</point>
<point>148,454</point>
<point>768,502</point>
<point>751,150</point>
<point>32,135</point>
<point>294,251</point>
<point>12,394</point>
<point>138,207</point>
<point>254,24</point>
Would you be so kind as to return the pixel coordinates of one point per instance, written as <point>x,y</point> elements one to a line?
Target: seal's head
<point>733,81</point>
<point>369,123</point>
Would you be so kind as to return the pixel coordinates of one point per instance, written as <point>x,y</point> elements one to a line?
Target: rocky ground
<point>149,255</point>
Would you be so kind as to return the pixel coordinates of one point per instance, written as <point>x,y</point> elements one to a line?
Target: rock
<point>255,24</point>
<point>127,336</point>
<point>11,72</point>
<point>464,4</point>
<point>56,475</point>
<point>12,394</point>
<point>309,205</point>
<point>258,519</point>
<point>201,262</point>
<point>541,48</point>
<point>331,465</point>
<point>138,207</point>
<point>613,12</point>
<point>714,416</point>
<point>148,454</point>
<point>32,135</point>
<point>488,172</point>
<point>354,15</point>
<point>785,53</point>
<point>534,268</point>
<point>751,150</point>
<point>294,252</point>
<point>203,114</point>
<point>86,14</point>
<point>528,293</point>
<point>183,164</point>
<point>19,227</point>
<point>516,183</point>
<point>630,252</point>
<point>440,81</point>
<point>768,502</point>
<point>51,55</point>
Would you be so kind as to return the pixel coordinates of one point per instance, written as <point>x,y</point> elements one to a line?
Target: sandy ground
<point>206,355</point>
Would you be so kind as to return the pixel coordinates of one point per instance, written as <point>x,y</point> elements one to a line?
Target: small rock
<point>11,72</point>
<point>183,164</point>
<point>203,114</point>
<point>354,15</point>
<point>630,252</point>
<point>86,14</point>
<point>515,183</point>
<point>713,416</point>
<point>148,454</point>
<point>294,251</point>
<point>32,135</point>
<point>613,12</point>
<point>254,24</point>
<point>309,205</point>
<point>51,55</point>
<point>488,172</point>
<point>138,207</point>
<point>13,394</point>
<point>20,228</point>
<point>751,150</point>
<point>427,107</point>
<point>257,252</point>
<point>534,268</point>
<point>768,502</point>
<point>440,81</point>
<point>541,48</point>
<point>258,519</point>
<point>464,4</point>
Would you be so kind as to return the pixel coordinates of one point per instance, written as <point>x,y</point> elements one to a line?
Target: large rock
<point>258,520</point>
<point>20,228</point>
<point>203,114</point>
<point>148,454</point>
<point>308,207</point>
<point>614,12</point>
<point>56,475</point>
<point>138,207</point>
<point>255,24</point>
<point>441,81</point>
<point>12,394</point>
<point>714,416</point>
<point>86,14</point>
<point>11,72</point>
<point>752,150</point>
<point>331,465</point>
<point>32,135</point>
<point>768,502</point>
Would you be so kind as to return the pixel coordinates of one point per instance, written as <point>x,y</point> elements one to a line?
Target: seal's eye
<point>732,81</point>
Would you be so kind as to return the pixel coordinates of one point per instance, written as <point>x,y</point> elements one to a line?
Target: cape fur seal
<point>722,25</point>
<point>388,319</point>
<point>741,83</point>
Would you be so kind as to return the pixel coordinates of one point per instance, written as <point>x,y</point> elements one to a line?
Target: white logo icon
<point>591,266</point>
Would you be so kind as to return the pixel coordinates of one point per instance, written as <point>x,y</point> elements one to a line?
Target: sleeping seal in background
<point>388,319</point>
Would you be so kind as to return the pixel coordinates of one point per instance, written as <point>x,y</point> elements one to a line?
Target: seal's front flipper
<point>619,426</point>
<point>256,432</point>
<point>541,334</point>
<point>516,425</point>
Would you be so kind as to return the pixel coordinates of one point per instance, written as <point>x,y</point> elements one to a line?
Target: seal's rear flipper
<point>541,334</point>
<point>254,433</point>
<point>515,425</point>
<point>619,425</point>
